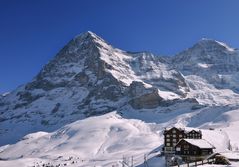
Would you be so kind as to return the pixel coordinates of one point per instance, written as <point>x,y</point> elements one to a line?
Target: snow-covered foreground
<point>104,140</point>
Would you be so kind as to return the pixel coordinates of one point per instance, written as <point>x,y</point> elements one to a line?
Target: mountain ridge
<point>90,77</point>
<point>94,103</point>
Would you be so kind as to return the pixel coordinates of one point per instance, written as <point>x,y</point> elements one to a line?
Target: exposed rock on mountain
<point>196,88</point>
<point>212,60</point>
<point>90,77</point>
<point>144,97</point>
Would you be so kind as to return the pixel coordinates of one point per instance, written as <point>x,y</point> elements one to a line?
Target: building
<point>193,134</point>
<point>173,135</point>
<point>171,138</point>
<point>193,149</point>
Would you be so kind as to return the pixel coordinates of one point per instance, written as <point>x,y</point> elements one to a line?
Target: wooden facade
<point>191,151</point>
<point>193,134</point>
<point>173,135</point>
<point>171,138</point>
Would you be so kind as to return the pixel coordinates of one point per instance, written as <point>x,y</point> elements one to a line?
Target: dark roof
<point>182,130</point>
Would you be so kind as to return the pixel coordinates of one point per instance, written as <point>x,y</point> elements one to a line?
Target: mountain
<point>212,60</point>
<point>94,100</point>
<point>88,77</point>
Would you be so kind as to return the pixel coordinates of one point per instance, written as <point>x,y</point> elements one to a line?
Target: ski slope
<point>104,140</point>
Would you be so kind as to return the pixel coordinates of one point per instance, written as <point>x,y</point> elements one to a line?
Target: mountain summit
<point>208,44</point>
<point>90,77</point>
<point>212,60</point>
<point>88,36</point>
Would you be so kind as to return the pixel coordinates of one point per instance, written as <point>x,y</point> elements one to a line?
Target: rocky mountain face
<point>90,77</point>
<point>212,60</point>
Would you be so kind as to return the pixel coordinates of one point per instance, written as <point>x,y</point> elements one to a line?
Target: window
<point>186,146</point>
<point>167,135</point>
<point>204,152</point>
<point>168,140</point>
<point>174,140</point>
<point>174,136</point>
<point>168,149</point>
<point>186,152</point>
<point>178,149</point>
<point>174,144</point>
<point>180,136</point>
<point>167,144</point>
<point>174,131</point>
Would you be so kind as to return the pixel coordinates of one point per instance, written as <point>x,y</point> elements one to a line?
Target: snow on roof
<point>201,143</point>
<point>169,128</point>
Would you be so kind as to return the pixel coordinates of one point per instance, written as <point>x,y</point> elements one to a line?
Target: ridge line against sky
<point>32,32</point>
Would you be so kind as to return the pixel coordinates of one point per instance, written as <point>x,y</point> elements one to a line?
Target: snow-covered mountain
<point>212,60</point>
<point>129,97</point>
<point>88,77</point>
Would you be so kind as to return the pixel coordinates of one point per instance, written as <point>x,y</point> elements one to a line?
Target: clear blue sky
<point>33,31</point>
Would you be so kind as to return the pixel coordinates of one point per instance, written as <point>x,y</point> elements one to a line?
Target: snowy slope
<point>102,141</point>
<point>208,94</point>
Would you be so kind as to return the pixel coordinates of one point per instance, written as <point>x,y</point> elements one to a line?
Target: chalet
<point>171,138</point>
<point>193,149</point>
<point>193,134</point>
<point>173,135</point>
